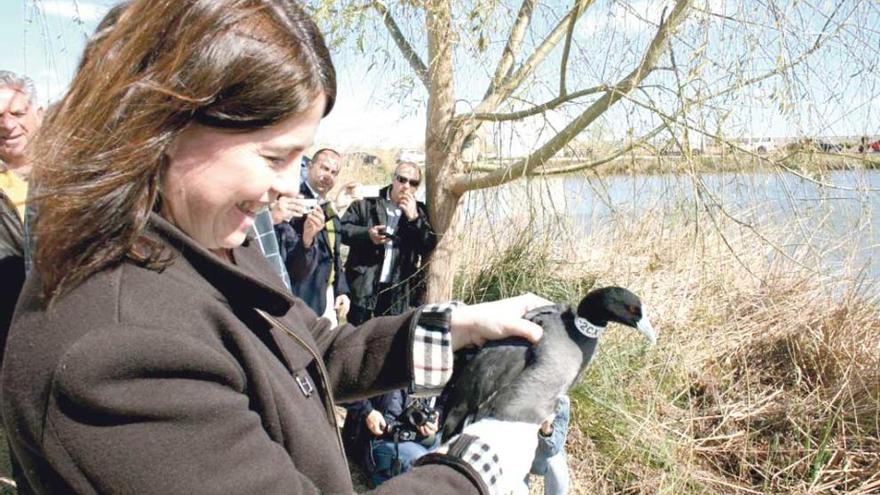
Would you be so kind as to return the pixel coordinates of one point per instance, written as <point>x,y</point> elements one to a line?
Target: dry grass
<point>766,378</point>
<point>365,174</point>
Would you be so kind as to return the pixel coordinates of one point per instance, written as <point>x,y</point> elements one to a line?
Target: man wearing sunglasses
<point>389,238</point>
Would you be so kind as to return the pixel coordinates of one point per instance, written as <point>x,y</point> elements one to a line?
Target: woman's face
<point>217,180</point>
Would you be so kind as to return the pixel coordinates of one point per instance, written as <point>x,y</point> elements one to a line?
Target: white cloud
<point>73,9</point>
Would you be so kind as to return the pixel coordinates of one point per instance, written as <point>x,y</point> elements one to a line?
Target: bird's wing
<point>532,396</point>
<point>540,315</point>
<point>484,372</point>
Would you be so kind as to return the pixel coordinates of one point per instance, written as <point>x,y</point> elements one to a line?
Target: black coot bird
<point>515,381</point>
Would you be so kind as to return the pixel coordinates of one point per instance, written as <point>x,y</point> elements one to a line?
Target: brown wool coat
<point>143,381</point>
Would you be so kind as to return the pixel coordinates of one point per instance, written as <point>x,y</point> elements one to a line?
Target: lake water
<point>835,217</point>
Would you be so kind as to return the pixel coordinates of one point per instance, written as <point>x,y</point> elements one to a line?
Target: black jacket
<point>11,264</point>
<point>413,240</point>
<point>310,284</point>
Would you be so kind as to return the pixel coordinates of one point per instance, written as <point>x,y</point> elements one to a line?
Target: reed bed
<point>766,377</point>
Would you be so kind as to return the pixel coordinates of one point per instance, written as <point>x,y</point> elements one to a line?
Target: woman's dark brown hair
<point>233,64</point>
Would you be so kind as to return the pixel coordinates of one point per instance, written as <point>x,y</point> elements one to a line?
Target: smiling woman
<point>216,182</point>
<point>153,349</point>
<point>104,150</point>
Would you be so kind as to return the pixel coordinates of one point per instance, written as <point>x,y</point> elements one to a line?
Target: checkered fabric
<point>265,235</point>
<point>482,459</point>
<point>432,349</point>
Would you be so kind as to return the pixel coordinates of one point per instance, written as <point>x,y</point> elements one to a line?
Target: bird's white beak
<point>644,326</point>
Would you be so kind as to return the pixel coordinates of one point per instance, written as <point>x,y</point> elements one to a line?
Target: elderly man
<point>307,228</point>
<point>20,116</point>
<point>390,237</point>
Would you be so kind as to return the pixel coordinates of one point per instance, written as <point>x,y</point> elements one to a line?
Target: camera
<point>383,232</point>
<point>405,428</point>
<point>418,414</point>
<point>309,205</point>
<point>399,432</point>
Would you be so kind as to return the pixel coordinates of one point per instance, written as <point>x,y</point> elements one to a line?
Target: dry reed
<point>767,375</point>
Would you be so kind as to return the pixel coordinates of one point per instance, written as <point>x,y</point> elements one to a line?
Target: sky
<point>44,38</point>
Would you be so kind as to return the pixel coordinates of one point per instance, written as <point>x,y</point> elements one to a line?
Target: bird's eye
<point>632,309</point>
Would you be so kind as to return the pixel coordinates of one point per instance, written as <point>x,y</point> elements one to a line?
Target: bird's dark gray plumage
<point>515,381</point>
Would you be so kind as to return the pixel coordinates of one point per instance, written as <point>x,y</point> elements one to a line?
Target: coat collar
<point>384,201</point>
<point>250,281</point>
<point>307,190</point>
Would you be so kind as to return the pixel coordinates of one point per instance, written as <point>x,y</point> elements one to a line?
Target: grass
<point>766,378</point>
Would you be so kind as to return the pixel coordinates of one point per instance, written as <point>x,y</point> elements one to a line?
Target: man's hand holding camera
<point>288,207</point>
<point>379,235</point>
<point>428,429</point>
<point>418,421</point>
<point>375,422</point>
<point>313,224</point>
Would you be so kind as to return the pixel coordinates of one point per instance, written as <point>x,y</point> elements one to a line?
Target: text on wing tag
<point>587,328</point>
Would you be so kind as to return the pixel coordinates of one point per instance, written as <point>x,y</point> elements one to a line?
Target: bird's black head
<point>616,304</point>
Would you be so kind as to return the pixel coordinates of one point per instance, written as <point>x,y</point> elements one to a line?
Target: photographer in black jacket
<point>389,238</point>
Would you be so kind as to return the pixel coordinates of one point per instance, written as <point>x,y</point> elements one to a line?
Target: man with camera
<point>387,433</point>
<point>307,228</point>
<point>390,237</point>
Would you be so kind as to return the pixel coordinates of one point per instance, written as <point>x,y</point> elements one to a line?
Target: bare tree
<point>670,71</point>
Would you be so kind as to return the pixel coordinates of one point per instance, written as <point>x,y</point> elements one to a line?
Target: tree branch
<point>563,66</point>
<point>464,183</point>
<point>595,163</point>
<point>549,105</point>
<point>602,161</point>
<point>500,92</point>
<point>514,41</point>
<point>400,40</point>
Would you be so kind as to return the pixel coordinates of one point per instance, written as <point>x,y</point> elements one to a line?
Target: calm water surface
<point>835,217</point>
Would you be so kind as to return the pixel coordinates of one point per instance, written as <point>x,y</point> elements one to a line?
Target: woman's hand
<point>347,195</point>
<point>474,325</point>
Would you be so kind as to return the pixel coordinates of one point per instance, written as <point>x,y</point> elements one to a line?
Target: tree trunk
<point>441,151</point>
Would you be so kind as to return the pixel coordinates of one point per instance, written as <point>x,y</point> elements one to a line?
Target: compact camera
<point>309,204</point>
<point>326,207</point>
